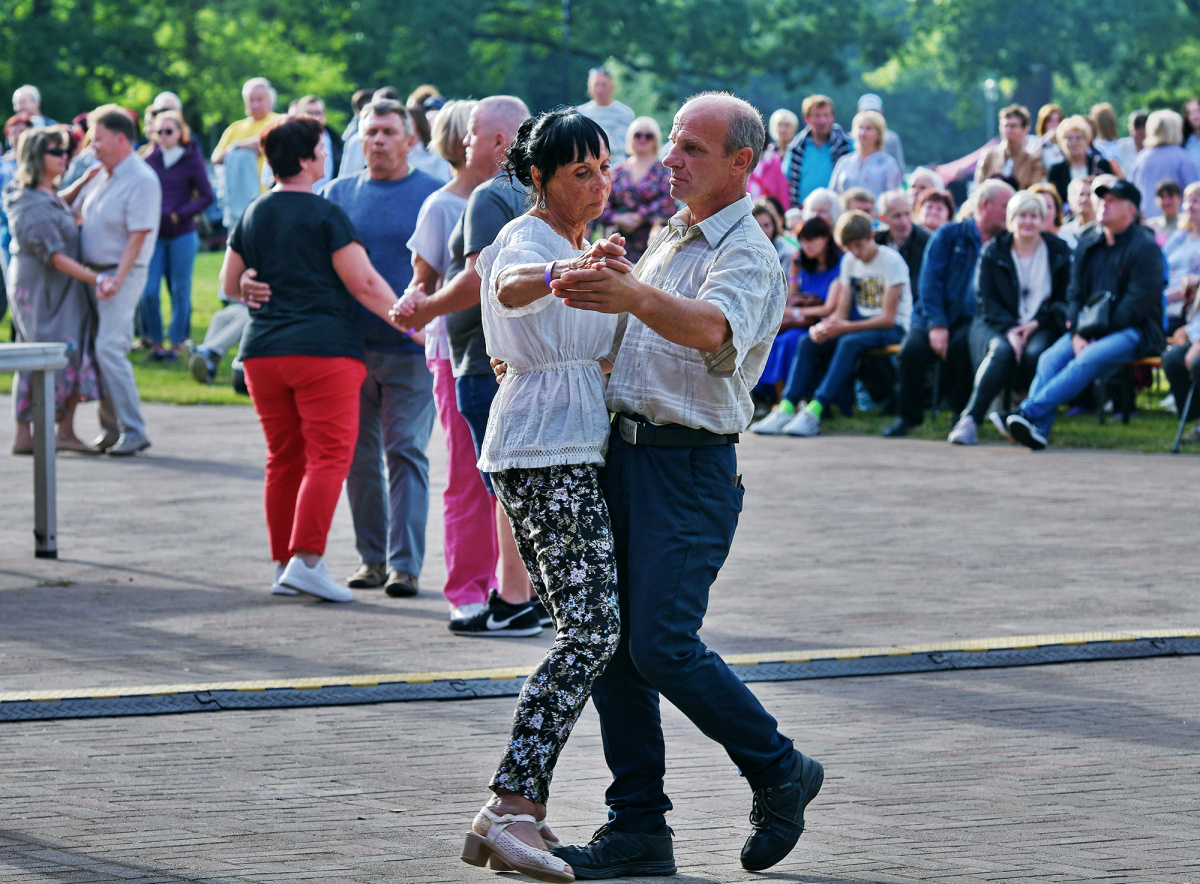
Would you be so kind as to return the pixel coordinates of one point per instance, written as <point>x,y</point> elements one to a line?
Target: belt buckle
<point>628,429</point>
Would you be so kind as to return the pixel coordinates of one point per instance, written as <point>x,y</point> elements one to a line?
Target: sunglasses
<point>55,151</point>
<point>648,136</point>
<point>168,131</point>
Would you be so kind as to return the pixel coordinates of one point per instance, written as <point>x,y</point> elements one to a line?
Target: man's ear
<point>741,161</point>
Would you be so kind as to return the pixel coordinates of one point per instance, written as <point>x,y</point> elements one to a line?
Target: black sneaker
<point>1025,431</point>
<point>613,854</point>
<point>500,619</point>
<point>778,815</point>
<point>898,429</point>
<point>544,618</point>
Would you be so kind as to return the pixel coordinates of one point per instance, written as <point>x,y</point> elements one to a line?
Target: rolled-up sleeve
<point>750,291</point>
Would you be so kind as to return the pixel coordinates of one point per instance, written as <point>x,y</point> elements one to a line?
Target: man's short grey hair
<point>925,173</point>
<point>382,107</point>
<point>823,196</point>
<point>507,112</point>
<point>746,126</point>
<point>167,101</point>
<point>258,83</point>
<point>886,198</point>
<point>27,89</point>
<point>992,189</point>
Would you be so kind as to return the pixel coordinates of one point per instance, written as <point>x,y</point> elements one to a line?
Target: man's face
<point>600,87</point>
<point>1116,214</point>
<point>1015,131</point>
<point>111,147</point>
<point>861,205</point>
<point>481,142</point>
<point>258,104</point>
<point>821,120</point>
<point>314,109</point>
<point>863,249</point>
<point>898,219</point>
<point>699,167</point>
<point>386,144</point>
<point>990,214</point>
<point>25,102</point>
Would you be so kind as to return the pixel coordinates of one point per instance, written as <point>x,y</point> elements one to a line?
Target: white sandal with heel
<point>498,844</point>
<point>496,864</point>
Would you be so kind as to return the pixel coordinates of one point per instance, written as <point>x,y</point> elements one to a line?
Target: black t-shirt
<point>290,238</point>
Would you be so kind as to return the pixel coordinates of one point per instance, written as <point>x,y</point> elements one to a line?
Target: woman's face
<point>933,214</point>
<point>1191,206</point>
<point>786,133</point>
<point>814,249</point>
<point>767,223</point>
<point>1048,223</point>
<point>1075,144</point>
<point>819,210</point>
<point>55,160</point>
<point>1028,225</point>
<point>1052,122</point>
<point>169,134</point>
<point>13,133</point>
<point>644,143</point>
<point>867,138</point>
<point>1193,112</point>
<point>578,192</point>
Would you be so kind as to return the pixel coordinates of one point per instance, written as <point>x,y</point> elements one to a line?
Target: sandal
<point>497,863</point>
<point>538,864</point>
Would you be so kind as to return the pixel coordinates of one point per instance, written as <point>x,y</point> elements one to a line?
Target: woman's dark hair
<point>938,196</point>
<point>551,140</point>
<point>288,140</point>
<point>815,228</point>
<point>1188,129</point>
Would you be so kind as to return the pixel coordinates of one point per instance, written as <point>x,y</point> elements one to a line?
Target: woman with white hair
<point>641,188</point>
<point>1021,284</point>
<point>770,178</point>
<point>823,203</point>
<point>869,165</point>
<point>1162,158</point>
<point>1080,158</point>
<point>922,179</point>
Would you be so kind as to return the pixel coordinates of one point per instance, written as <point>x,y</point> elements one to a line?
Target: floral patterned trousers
<point>563,534</point>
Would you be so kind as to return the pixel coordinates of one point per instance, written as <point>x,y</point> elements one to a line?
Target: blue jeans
<point>846,349</point>
<point>475,393</point>
<point>673,512</point>
<point>395,419</point>
<point>1061,375</point>
<point>173,258</point>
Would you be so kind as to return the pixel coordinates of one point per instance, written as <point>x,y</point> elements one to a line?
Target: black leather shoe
<point>613,854</point>
<point>778,815</point>
<point>897,428</point>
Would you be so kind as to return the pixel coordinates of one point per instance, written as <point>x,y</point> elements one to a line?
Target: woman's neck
<point>865,151</point>
<point>1026,247</point>
<point>571,231</point>
<point>460,185</point>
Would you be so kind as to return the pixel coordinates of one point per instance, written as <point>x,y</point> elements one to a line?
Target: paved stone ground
<point>1064,773</point>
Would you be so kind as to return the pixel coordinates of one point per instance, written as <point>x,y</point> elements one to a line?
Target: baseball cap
<point>1122,190</point>
<point>870,102</point>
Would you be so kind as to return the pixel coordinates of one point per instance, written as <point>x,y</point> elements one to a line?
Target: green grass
<point>1151,429</point>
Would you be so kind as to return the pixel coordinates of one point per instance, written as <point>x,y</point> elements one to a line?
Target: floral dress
<point>649,196</point>
<point>47,305</point>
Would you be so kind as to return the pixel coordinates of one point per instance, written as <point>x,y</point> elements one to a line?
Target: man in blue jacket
<point>942,318</point>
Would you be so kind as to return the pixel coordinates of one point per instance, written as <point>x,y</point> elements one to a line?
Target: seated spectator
<point>1048,118</point>
<point>933,208</point>
<point>813,153</point>
<point>1179,365</point>
<point>1083,211</point>
<point>873,283</point>
<point>768,178</point>
<point>1020,310</point>
<point>1163,159</point>
<point>1080,159</point>
<point>869,165</point>
<point>1048,194</point>
<point>1013,157</point>
<point>1120,259</point>
<point>942,319</point>
<point>921,180</point>
<point>859,199</point>
<point>13,127</point>
<point>1167,196</point>
<point>1182,250</point>
<point>1104,123</point>
<point>899,233</point>
<point>823,203</point>
<point>1129,147</point>
<point>768,219</point>
<point>814,268</point>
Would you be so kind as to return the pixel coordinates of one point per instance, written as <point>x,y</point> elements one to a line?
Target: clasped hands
<point>107,286</point>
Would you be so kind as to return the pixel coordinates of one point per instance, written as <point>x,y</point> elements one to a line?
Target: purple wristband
<point>549,274</point>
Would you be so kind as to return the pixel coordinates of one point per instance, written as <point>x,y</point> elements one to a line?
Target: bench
<point>894,350</point>
<point>41,361</point>
<point>1125,402</point>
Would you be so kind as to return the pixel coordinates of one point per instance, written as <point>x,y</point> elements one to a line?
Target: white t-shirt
<point>614,118</point>
<point>1183,259</point>
<point>431,240</point>
<point>868,281</point>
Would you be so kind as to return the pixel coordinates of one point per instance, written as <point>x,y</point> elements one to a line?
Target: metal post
<point>45,493</point>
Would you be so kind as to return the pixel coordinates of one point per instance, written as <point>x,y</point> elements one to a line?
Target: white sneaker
<point>315,581</point>
<point>964,432</point>
<point>467,611</point>
<point>805,423</point>
<point>278,588</point>
<point>773,423</point>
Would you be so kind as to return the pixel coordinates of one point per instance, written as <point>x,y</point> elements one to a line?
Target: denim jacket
<point>948,276</point>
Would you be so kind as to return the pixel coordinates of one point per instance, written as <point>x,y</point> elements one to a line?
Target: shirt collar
<point>124,164</point>
<point>715,226</point>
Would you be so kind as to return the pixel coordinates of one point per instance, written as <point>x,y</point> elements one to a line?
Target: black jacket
<point>336,141</point>
<point>913,252</point>
<point>998,288</point>
<point>1060,173</point>
<point>1141,277</point>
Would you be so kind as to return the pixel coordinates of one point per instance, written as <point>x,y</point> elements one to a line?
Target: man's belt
<point>637,430</point>
<point>101,268</point>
